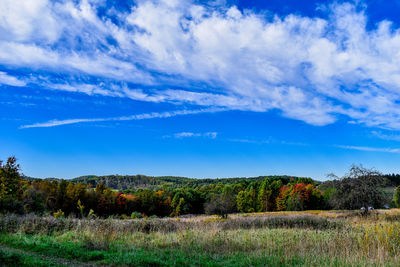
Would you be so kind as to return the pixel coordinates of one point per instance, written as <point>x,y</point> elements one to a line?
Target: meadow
<point>306,238</point>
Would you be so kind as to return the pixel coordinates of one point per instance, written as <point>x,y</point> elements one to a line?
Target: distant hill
<point>151,182</point>
<point>142,181</point>
<point>124,182</point>
<point>28,178</point>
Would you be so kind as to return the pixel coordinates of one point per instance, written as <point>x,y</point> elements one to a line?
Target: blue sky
<point>199,88</point>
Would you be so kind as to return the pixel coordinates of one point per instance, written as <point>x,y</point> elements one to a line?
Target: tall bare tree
<point>359,188</point>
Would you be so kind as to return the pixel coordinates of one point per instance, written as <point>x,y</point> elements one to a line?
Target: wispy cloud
<point>250,141</point>
<point>267,141</point>
<point>10,80</point>
<point>392,137</point>
<point>211,135</point>
<point>143,116</point>
<point>311,69</point>
<point>371,149</point>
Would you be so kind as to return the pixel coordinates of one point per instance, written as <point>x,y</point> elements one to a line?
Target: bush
<point>136,215</point>
<point>8,205</point>
<point>124,217</point>
<point>59,214</point>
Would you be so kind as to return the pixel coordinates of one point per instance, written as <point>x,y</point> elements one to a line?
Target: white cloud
<point>10,80</point>
<point>53,123</point>
<point>311,69</point>
<point>270,140</point>
<point>394,137</point>
<point>28,20</point>
<point>144,116</point>
<point>211,135</point>
<point>250,141</point>
<point>371,149</point>
<point>21,55</point>
<point>186,134</point>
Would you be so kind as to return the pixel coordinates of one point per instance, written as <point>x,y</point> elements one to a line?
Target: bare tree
<point>221,204</point>
<point>359,188</point>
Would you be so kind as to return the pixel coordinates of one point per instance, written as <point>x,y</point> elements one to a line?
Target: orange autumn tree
<point>299,197</point>
<point>282,197</point>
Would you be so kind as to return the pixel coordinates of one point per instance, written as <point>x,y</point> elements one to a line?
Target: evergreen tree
<point>10,179</point>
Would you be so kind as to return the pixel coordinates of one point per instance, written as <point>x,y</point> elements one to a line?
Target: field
<point>310,238</point>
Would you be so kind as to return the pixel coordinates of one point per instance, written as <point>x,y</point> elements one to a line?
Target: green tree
<point>180,207</point>
<point>396,197</point>
<point>246,201</point>
<point>241,201</point>
<point>269,191</point>
<point>10,186</point>
<point>222,204</point>
<point>263,195</point>
<point>33,201</point>
<point>10,179</point>
<point>252,199</point>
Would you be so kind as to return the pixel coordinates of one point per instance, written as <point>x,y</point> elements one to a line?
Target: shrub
<point>91,214</point>
<point>12,206</point>
<point>136,215</point>
<point>59,214</point>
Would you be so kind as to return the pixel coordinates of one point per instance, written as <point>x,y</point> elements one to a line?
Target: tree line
<point>360,188</point>
<point>134,182</point>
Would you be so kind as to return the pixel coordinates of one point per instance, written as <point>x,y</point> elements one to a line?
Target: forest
<point>142,196</point>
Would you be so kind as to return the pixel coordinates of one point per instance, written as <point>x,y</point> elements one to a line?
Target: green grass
<point>208,241</point>
<point>13,258</point>
<point>141,256</point>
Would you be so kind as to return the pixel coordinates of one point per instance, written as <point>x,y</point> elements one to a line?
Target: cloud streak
<point>391,137</point>
<point>211,135</point>
<point>143,116</point>
<point>10,80</point>
<point>371,149</point>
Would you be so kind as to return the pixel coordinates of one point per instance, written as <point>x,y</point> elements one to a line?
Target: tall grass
<point>33,224</point>
<point>305,238</point>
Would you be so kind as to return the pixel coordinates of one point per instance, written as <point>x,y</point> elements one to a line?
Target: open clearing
<point>311,238</point>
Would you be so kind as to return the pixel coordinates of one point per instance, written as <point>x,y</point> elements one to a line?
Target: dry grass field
<point>309,238</point>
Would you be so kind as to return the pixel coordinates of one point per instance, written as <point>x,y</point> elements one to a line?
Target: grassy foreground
<point>312,238</point>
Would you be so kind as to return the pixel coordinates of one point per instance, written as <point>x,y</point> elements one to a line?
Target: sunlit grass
<point>312,238</point>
